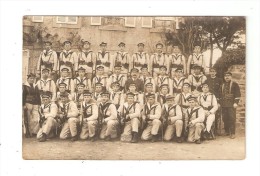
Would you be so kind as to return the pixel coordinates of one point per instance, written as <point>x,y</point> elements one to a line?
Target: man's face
<point>86,46</point>
<point>81,73</point>
<point>117,70</point>
<point>144,72</point>
<point>151,100</point>
<point>196,71</point>
<point>192,103</point>
<point>87,98</point>
<point>103,47</point>
<point>115,88</point>
<point>31,80</point>
<point>130,99</point>
<point>212,73</point>
<point>105,98</point>
<point>80,89</point>
<point>67,46</point>
<point>46,101</point>
<point>176,49</point>
<point>47,46</point>
<point>162,71</point>
<point>62,88</point>
<point>227,78</point>
<point>121,48</point>
<point>178,74</point>
<point>170,102</point>
<point>140,48</point>
<point>134,75</point>
<point>164,90</point>
<point>149,89</point>
<point>64,73</point>
<point>98,89</point>
<point>205,89</point>
<point>197,49</point>
<point>64,99</point>
<point>132,88</point>
<point>186,89</point>
<point>100,71</point>
<point>159,48</point>
<point>45,74</point>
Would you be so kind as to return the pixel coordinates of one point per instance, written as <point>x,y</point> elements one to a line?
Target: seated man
<point>178,81</point>
<point>117,77</point>
<point>100,78</point>
<point>151,119</point>
<point>108,118</point>
<point>194,121</point>
<point>78,96</point>
<point>148,89</point>
<point>48,112</point>
<point>70,88</point>
<point>164,92</point>
<point>209,103</point>
<point>134,78</point>
<point>163,79</point>
<point>81,79</point>
<point>146,77</point>
<point>62,89</point>
<point>116,96</point>
<point>89,111</point>
<point>172,113</point>
<point>130,113</point>
<point>97,92</point>
<point>68,113</point>
<point>138,97</point>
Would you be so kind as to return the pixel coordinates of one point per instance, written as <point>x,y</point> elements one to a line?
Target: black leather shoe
<point>134,138</point>
<point>198,141</point>
<point>154,138</point>
<point>74,138</point>
<point>179,139</point>
<point>43,138</point>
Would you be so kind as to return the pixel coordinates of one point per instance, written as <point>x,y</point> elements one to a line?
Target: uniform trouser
<point>195,132</point>
<point>151,129</point>
<point>69,128</point>
<point>172,128</point>
<point>130,126</point>
<point>229,119</point>
<point>88,129</point>
<point>109,129</point>
<point>48,126</point>
<point>210,120</point>
<point>33,118</point>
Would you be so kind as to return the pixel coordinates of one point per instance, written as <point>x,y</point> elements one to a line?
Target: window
<point>67,19</point>
<point>95,21</point>
<point>130,21</point>
<point>37,18</point>
<point>165,18</point>
<point>147,22</point>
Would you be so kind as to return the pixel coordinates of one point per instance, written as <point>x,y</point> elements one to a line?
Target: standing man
<point>140,58</point>
<point>70,88</point>
<point>31,101</point>
<point>230,96</point>
<point>48,59</point>
<point>122,58</point>
<point>194,121</point>
<point>130,113</point>
<point>172,114</point>
<point>68,59</point>
<point>81,79</point>
<point>89,111</point>
<point>196,58</point>
<point>108,118</point>
<point>47,84</point>
<point>151,119</point>
<point>104,59</point>
<point>177,60</point>
<point>48,111</point>
<point>68,112</point>
<point>117,77</point>
<point>159,59</point>
<point>87,59</point>
<point>208,102</point>
<point>215,87</point>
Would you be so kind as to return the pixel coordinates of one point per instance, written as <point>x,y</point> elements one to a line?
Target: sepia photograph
<point>133,87</point>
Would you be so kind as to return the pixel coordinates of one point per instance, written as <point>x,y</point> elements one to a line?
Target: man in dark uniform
<point>135,79</point>
<point>214,87</point>
<point>230,96</point>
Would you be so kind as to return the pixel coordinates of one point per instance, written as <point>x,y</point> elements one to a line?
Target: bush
<point>229,58</point>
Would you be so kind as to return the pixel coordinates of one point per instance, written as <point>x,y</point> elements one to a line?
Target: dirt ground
<point>222,148</point>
